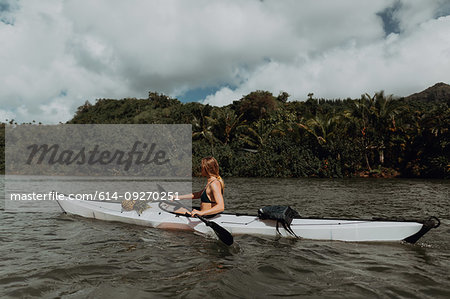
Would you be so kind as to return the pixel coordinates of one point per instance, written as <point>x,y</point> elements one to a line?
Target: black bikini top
<point>204,197</point>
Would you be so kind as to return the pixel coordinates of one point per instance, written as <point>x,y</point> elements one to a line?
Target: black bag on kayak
<point>282,214</point>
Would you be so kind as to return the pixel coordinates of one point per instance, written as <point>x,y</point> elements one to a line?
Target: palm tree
<point>375,118</point>
<point>202,128</point>
<point>279,123</point>
<point>322,126</point>
<point>256,135</point>
<point>226,123</point>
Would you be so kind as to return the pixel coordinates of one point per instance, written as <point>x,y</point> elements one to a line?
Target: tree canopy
<point>264,135</point>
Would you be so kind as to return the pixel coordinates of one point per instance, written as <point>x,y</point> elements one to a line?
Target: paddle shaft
<point>223,235</point>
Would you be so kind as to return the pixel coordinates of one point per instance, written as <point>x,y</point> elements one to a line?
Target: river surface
<point>55,255</point>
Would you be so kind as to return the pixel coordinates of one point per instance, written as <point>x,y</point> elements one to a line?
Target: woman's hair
<point>211,167</point>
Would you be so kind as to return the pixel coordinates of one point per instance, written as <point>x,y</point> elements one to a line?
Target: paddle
<point>221,232</point>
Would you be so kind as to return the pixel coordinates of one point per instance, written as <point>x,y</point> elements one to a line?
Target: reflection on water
<point>53,255</point>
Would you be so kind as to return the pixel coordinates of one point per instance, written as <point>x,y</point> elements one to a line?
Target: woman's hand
<point>196,212</point>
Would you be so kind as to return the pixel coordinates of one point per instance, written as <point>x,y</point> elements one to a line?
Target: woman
<point>212,195</point>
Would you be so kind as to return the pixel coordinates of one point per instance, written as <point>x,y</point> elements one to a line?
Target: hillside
<point>264,135</point>
<point>440,92</point>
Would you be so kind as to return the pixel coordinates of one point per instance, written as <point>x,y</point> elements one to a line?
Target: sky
<point>57,54</point>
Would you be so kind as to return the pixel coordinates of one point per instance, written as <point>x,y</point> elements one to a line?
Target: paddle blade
<point>221,233</point>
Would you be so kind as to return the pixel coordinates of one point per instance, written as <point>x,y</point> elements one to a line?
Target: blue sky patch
<point>390,22</point>
<point>62,93</point>
<point>4,6</point>
<point>443,11</point>
<point>199,94</point>
<point>5,12</point>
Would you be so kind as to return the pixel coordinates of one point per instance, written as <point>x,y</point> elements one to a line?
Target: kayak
<point>350,230</point>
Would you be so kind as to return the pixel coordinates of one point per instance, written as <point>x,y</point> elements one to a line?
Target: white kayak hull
<point>318,229</point>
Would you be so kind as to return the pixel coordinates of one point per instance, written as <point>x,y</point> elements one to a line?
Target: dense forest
<point>263,135</point>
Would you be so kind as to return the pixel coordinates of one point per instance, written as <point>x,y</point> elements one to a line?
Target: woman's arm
<point>190,196</point>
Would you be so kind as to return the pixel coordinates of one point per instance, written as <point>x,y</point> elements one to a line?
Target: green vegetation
<point>266,136</point>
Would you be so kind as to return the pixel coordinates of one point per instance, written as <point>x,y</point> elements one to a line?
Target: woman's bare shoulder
<point>216,184</point>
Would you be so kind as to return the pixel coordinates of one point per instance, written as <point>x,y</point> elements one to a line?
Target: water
<point>55,255</point>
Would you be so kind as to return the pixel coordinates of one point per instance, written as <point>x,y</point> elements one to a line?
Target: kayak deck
<point>318,229</point>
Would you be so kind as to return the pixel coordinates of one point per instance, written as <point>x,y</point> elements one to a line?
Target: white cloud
<point>6,115</point>
<point>57,55</point>
<point>400,64</point>
<point>223,96</point>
